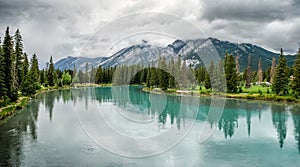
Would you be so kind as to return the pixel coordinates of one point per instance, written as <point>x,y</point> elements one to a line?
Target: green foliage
<point>281,80</point>
<point>230,73</point>
<point>10,89</point>
<point>19,57</point>
<point>51,73</point>
<point>296,75</point>
<point>163,75</point>
<point>208,75</point>
<point>66,78</point>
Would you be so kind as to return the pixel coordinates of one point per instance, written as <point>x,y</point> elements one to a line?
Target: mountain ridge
<point>145,54</point>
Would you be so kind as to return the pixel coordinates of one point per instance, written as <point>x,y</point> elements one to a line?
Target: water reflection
<point>23,126</point>
<point>14,130</point>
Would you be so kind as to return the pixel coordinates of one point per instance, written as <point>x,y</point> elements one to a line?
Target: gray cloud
<point>61,28</point>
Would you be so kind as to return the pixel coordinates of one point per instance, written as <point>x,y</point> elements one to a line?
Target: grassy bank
<point>11,108</point>
<point>253,93</point>
<point>23,100</point>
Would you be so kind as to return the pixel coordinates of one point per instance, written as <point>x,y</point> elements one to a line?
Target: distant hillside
<point>145,54</point>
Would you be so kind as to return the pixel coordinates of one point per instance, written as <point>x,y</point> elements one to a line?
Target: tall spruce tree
<point>163,75</point>
<point>273,70</point>
<point>230,73</point>
<point>86,74</point>
<point>281,79</point>
<point>153,76</point>
<point>296,75</point>
<point>19,57</point>
<point>51,73</point>
<point>34,68</point>
<point>209,75</point>
<point>172,73</point>
<point>218,80</point>
<point>259,72</point>
<point>2,75</point>
<point>8,51</point>
<point>248,73</point>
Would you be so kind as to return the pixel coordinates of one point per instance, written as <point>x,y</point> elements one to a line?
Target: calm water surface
<point>82,127</point>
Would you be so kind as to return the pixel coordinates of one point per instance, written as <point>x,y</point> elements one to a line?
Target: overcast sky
<point>93,27</point>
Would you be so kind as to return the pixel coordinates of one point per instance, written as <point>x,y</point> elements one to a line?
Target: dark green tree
<point>86,74</point>
<point>281,80</point>
<point>34,68</point>
<point>19,57</point>
<point>163,75</point>
<point>248,76</point>
<point>296,75</point>
<point>8,55</point>
<point>171,67</point>
<point>80,76</point>
<point>51,73</point>
<point>230,73</point>
<point>99,75</point>
<point>209,74</point>
<point>2,75</point>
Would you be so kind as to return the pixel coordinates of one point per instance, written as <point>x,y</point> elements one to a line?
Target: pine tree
<point>19,57</point>
<point>163,75</point>
<point>248,73</point>
<point>218,80</point>
<point>86,74</point>
<point>230,73</point>
<point>260,72</point>
<point>25,69</point>
<point>153,76</point>
<point>31,81</point>
<point>99,75</point>
<point>281,79</point>
<point>8,56</point>
<point>172,73</point>
<point>148,77</point>
<point>296,75</point>
<point>34,68</point>
<point>81,76</point>
<point>209,75</point>
<point>2,75</point>
<point>93,75</point>
<point>42,77</point>
<point>184,75</point>
<point>237,64</point>
<point>273,70</point>
<point>51,73</point>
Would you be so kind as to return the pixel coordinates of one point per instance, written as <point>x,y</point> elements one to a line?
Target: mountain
<point>145,54</point>
<point>79,62</point>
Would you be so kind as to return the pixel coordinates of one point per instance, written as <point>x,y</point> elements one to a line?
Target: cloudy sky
<point>101,27</point>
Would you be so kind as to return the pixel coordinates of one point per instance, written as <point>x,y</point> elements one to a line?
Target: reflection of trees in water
<point>279,117</point>
<point>296,119</point>
<point>20,127</point>
<point>248,118</point>
<point>49,101</point>
<point>229,119</point>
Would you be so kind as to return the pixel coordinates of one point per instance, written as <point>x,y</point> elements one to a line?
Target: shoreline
<point>22,101</point>
<point>237,96</point>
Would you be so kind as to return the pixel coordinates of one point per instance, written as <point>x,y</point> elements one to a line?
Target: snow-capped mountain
<point>78,62</point>
<point>192,51</point>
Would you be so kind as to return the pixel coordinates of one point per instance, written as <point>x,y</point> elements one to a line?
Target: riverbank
<point>246,96</point>
<point>11,108</point>
<point>22,101</point>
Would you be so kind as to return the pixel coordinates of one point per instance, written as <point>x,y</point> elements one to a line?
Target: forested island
<point>20,77</point>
